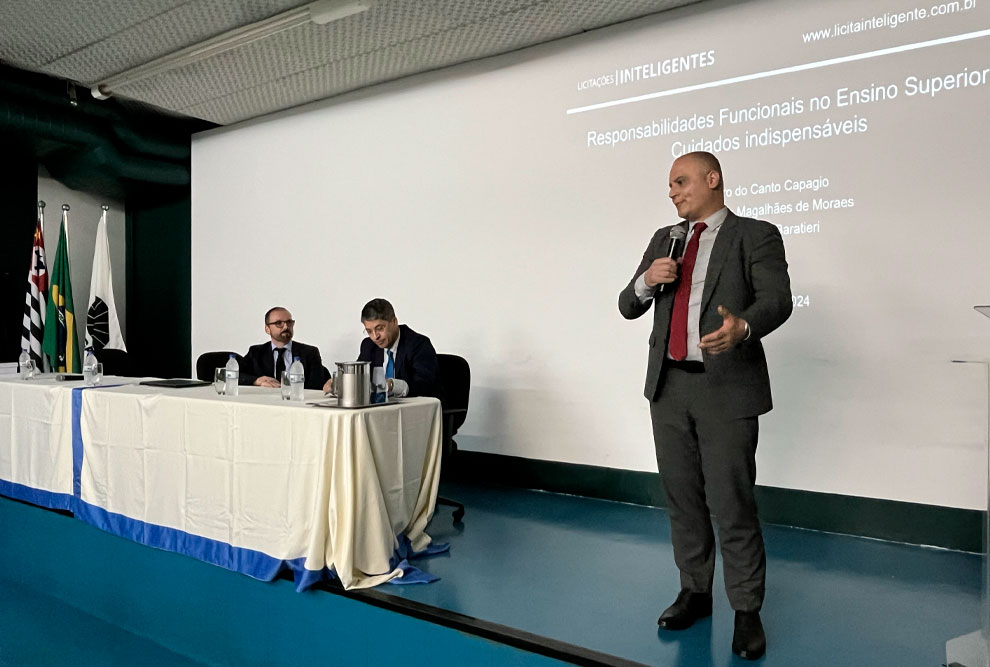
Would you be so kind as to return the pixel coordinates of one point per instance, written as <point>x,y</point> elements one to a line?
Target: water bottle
<point>297,380</point>
<point>24,365</point>
<point>231,374</point>
<point>89,366</point>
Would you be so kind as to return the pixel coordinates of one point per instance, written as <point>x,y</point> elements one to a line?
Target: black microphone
<point>677,235</point>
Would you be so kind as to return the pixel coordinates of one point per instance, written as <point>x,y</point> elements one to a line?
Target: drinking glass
<point>379,386</point>
<point>98,374</point>
<point>219,380</point>
<point>285,387</point>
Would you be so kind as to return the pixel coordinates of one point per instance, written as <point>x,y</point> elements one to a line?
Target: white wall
<point>496,225</point>
<point>84,214</point>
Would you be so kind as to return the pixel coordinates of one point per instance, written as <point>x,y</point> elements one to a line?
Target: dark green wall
<point>18,201</point>
<point>110,148</point>
<point>159,286</point>
<point>914,523</point>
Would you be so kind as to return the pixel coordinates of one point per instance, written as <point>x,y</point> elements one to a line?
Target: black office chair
<point>115,362</point>
<point>210,361</point>
<point>455,378</point>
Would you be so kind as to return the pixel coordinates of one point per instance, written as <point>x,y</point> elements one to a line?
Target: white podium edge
<point>973,649</point>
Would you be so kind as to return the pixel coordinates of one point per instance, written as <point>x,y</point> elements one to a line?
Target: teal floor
<point>598,573</point>
<point>144,607</point>
<point>584,573</point>
<point>36,629</point>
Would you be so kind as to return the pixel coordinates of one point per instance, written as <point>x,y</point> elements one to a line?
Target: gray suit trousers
<point>707,461</point>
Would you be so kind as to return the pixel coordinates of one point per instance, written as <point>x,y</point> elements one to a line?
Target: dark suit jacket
<point>260,362</point>
<point>416,361</point>
<point>747,273</point>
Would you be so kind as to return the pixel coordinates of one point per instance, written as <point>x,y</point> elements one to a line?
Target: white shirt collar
<point>714,220</point>
<point>395,345</point>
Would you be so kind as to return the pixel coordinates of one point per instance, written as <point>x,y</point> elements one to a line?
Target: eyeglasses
<point>281,323</point>
<point>378,329</point>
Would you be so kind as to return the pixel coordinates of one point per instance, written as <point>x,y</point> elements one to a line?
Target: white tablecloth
<point>252,483</point>
<point>36,440</point>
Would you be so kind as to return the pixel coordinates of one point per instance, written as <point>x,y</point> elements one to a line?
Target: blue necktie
<point>390,366</point>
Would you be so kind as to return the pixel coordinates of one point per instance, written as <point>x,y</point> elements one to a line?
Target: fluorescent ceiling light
<point>321,12</point>
<point>328,11</point>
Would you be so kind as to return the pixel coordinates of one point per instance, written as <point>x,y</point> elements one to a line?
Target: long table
<point>251,483</point>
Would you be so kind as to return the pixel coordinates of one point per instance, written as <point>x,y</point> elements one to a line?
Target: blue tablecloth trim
<point>410,573</point>
<point>405,549</point>
<point>77,444</point>
<point>49,499</point>
<point>306,579</point>
<point>246,561</point>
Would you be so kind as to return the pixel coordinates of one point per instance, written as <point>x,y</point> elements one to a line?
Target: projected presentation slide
<point>848,121</point>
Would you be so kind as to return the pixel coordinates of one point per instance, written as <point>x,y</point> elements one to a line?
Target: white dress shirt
<point>705,244</point>
<point>283,350</point>
<point>400,388</point>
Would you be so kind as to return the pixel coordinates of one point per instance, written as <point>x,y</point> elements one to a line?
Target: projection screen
<point>501,205</point>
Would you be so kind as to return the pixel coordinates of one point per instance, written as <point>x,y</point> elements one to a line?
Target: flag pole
<point>61,342</point>
<point>65,220</point>
<point>37,292</point>
<point>102,326</point>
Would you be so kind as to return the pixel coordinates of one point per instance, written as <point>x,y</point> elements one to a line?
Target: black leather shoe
<point>687,608</point>
<point>748,640</point>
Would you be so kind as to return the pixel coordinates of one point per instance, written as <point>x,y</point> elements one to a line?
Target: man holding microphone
<point>707,383</point>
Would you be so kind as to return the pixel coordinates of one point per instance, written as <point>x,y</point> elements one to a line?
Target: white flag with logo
<point>102,327</point>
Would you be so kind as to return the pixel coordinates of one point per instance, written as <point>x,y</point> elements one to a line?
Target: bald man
<point>707,383</point>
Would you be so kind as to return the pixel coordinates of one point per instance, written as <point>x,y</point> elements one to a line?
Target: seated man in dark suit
<point>264,363</point>
<point>409,360</point>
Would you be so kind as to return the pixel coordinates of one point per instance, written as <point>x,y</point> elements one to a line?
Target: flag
<point>102,327</point>
<point>60,333</point>
<point>34,301</point>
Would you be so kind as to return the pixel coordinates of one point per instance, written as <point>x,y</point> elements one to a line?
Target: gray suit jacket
<point>747,273</point>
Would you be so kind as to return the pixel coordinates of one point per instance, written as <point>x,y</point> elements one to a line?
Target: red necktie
<point>678,319</point>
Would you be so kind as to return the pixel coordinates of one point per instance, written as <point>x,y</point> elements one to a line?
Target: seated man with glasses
<point>264,363</point>
<point>409,360</point>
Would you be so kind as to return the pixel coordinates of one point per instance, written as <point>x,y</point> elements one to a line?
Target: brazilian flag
<point>60,322</point>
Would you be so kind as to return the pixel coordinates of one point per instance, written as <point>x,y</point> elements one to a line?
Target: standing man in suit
<point>707,383</point>
<point>264,363</point>
<point>409,360</point>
